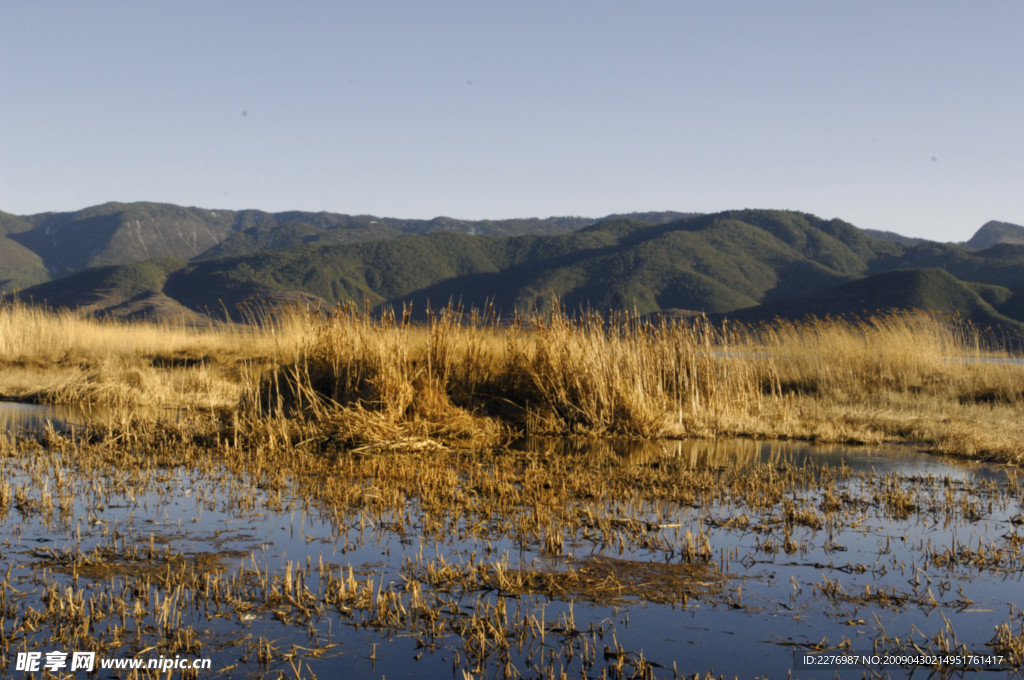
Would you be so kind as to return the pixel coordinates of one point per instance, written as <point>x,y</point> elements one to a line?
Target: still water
<point>900,553</point>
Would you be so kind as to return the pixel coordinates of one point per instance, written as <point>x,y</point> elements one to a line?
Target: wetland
<point>365,498</point>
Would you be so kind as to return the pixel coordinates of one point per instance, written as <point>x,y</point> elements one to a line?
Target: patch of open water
<point>927,558</point>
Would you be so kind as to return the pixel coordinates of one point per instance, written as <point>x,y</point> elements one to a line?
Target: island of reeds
<point>347,378</point>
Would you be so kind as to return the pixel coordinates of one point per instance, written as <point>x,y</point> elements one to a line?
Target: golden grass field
<point>347,379</point>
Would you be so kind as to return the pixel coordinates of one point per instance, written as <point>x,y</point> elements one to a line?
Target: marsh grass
<point>644,528</point>
<point>918,377</point>
<point>64,357</point>
<point>350,379</point>
<point>902,377</point>
<point>842,359</point>
<point>466,376</point>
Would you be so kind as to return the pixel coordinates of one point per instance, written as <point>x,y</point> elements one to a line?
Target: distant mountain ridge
<point>893,236</point>
<point>119,233</point>
<point>46,246</point>
<point>995,233</point>
<point>742,263</point>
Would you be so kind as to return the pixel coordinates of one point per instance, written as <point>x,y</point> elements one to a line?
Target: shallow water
<point>880,579</point>
<point>22,417</point>
<point>17,416</point>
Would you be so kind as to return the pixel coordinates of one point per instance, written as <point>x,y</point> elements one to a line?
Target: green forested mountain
<point>1000,265</point>
<point>893,236</point>
<point>711,263</point>
<point>20,267</point>
<point>747,264</point>
<point>122,233</point>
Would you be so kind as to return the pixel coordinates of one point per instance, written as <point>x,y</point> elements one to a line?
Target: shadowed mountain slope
<point>19,266</point>
<point>903,289</point>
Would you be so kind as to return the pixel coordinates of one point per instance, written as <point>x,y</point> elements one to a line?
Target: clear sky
<point>896,115</point>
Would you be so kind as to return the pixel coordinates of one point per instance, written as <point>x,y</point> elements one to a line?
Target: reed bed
<point>67,358</point>
<point>902,377</point>
<point>842,358</point>
<point>351,379</point>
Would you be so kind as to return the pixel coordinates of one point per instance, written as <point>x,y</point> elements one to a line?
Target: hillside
<point>901,289</point>
<point>709,263</point>
<point>994,233</point>
<point>893,236</point>
<point>116,233</point>
<point>36,248</point>
<point>748,264</point>
<point>19,266</point>
<point>1000,265</point>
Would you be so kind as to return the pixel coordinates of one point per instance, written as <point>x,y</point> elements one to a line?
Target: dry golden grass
<point>918,378</point>
<point>348,380</point>
<point>63,357</point>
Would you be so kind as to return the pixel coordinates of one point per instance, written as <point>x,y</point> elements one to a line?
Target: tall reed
<point>921,353</point>
<point>354,378</point>
<point>633,377</point>
<point>66,357</point>
<point>552,373</point>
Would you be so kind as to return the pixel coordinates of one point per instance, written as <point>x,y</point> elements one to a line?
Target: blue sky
<point>904,116</point>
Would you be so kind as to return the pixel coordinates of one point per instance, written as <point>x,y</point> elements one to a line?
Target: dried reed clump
<point>562,375</point>
<point>364,379</point>
<point>900,377</point>
<point>1009,640</point>
<point>630,377</point>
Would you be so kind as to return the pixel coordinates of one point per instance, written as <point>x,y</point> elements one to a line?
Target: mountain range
<point>160,260</point>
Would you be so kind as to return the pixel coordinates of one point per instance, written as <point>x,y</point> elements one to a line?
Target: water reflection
<point>18,417</point>
<point>728,453</point>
